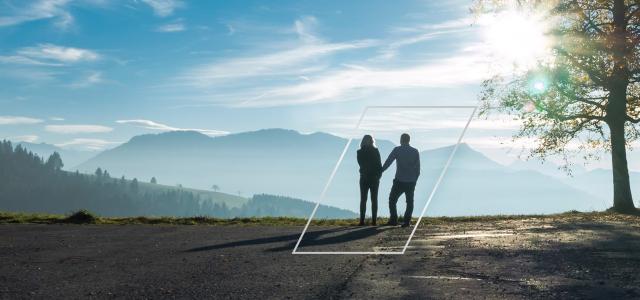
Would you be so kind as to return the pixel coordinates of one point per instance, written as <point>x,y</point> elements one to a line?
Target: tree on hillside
<point>588,93</point>
<point>54,162</point>
<point>215,187</point>
<point>154,180</point>
<point>98,172</point>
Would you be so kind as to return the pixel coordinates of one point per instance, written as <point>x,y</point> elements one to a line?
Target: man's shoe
<point>405,225</point>
<point>391,224</point>
<point>361,224</point>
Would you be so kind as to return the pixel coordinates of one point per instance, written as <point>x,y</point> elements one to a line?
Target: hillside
<point>29,184</point>
<point>285,162</point>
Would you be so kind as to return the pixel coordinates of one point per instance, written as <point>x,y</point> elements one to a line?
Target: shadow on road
<point>311,238</point>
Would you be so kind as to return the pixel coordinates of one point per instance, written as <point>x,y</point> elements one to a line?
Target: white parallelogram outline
<point>424,209</point>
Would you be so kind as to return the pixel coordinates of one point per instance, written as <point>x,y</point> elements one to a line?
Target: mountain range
<point>286,162</point>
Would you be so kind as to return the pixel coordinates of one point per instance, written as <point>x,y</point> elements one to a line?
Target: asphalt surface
<point>152,261</point>
<point>517,259</point>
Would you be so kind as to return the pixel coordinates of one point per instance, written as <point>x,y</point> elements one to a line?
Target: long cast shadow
<point>260,241</point>
<point>311,238</point>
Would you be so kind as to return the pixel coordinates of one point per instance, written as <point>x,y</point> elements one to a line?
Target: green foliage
<point>30,185</point>
<point>54,162</point>
<point>590,100</point>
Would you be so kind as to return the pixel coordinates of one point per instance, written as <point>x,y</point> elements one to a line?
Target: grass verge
<point>86,217</point>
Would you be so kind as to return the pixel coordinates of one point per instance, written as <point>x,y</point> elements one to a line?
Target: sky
<point>90,74</point>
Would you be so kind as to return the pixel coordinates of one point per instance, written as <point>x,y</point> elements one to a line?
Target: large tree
<point>585,96</point>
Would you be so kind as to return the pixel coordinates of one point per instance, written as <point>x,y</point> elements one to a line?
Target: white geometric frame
<point>424,209</point>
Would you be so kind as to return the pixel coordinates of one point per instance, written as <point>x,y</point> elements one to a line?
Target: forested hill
<point>30,184</point>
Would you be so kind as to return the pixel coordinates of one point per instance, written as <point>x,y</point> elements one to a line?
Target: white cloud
<point>304,27</point>
<point>176,26</point>
<point>51,52</point>
<point>17,120</point>
<point>290,61</point>
<point>148,124</point>
<point>463,68</point>
<point>461,23</point>
<point>73,129</point>
<point>87,144</point>
<point>56,118</point>
<point>164,8</point>
<point>21,60</point>
<point>89,80</point>
<point>310,71</point>
<point>298,57</point>
<point>37,10</point>
<point>29,138</point>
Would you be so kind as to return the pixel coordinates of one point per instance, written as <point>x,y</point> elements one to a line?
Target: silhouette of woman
<point>370,172</point>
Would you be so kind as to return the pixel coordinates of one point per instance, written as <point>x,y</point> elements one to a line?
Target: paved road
<point>77,261</point>
<point>526,258</point>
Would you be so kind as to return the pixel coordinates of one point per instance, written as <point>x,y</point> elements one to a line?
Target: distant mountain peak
<point>170,135</point>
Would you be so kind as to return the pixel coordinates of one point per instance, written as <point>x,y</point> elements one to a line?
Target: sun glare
<point>517,39</point>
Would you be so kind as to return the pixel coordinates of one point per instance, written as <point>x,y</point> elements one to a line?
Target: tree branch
<point>592,73</point>
<point>581,116</point>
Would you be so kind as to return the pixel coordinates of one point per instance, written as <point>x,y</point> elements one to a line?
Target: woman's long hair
<point>367,141</point>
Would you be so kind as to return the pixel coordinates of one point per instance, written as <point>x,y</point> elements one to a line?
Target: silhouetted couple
<point>407,161</point>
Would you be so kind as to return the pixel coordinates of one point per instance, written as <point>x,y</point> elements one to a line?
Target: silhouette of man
<point>407,171</point>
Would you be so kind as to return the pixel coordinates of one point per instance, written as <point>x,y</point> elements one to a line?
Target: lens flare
<point>517,39</point>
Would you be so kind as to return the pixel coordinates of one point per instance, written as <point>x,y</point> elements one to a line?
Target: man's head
<point>404,139</point>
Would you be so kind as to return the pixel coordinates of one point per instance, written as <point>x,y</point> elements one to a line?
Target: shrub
<point>82,216</point>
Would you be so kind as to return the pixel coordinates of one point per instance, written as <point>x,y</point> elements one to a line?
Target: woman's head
<point>367,141</point>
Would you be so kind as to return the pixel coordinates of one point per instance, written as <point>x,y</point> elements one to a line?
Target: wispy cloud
<point>310,70</point>
<point>296,58</point>
<point>47,62</point>
<point>29,138</point>
<point>87,144</point>
<point>464,68</point>
<point>74,129</point>
<point>56,53</point>
<point>175,26</point>
<point>56,118</point>
<point>278,63</point>
<point>18,120</point>
<point>22,60</point>
<point>49,55</point>
<point>37,10</point>
<point>164,8</point>
<point>148,124</point>
<point>91,79</point>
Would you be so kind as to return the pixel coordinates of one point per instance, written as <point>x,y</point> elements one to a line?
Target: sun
<point>517,39</point>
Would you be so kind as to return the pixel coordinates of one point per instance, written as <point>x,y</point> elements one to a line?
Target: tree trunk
<point>617,113</point>
<point>622,199</point>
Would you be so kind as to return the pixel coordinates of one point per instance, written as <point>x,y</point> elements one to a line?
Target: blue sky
<point>90,74</point>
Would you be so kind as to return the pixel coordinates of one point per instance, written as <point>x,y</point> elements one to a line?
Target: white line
<point>444,171</point>
<point>335,169</point>
<point>349,252</point>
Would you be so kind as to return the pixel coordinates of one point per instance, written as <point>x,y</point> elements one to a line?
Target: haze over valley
<point>288,163</point>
